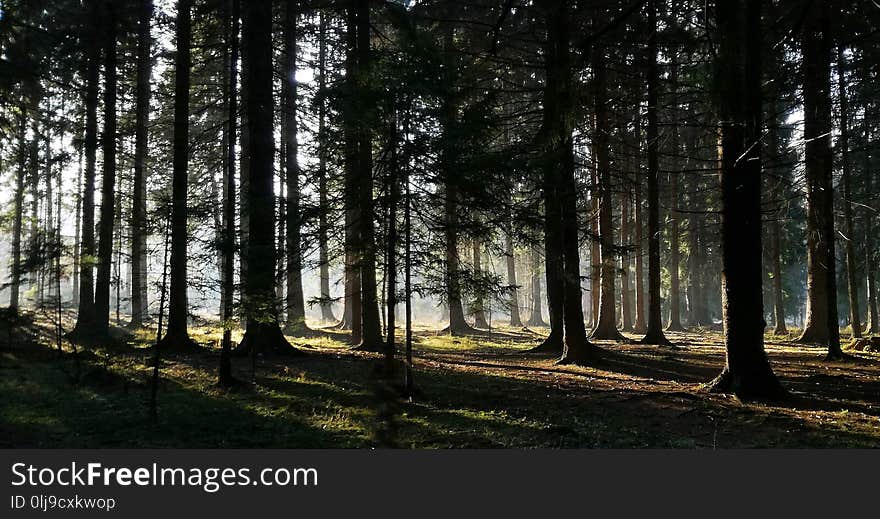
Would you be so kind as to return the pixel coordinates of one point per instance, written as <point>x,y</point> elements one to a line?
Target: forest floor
<point>479,392</point>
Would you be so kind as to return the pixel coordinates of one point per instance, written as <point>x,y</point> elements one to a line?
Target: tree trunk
<point>537,315</point>
<point>747,372</point>
<point>324,205</point>
<point>177,336</point>
<point>225,378</point>
<point>606,323</point>
<point>625,259</point>
<point>870,253</point>
<point>654,333</point>
<point>821,321</point>
<point>846,181</point>
<point>674,324</point>
<point>371,339</point>
<point>640,325</point>
<point>449,159</point>
<point>776,236</point>
<point>108,182</point>
<point>86,311</point>
<point>479,301</point>
<point>560,195</point>
<point>263,334</point>
<point>510,256</point>
<point>139,201</point>
<point>15,282</point>
<point>296,308</point>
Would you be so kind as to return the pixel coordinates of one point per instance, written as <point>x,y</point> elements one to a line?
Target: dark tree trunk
<point>391,245</point>
<point>640,325</point>
<point>449,160</point>
<point>626,292</point>
<point>225,378</point>
<point>821,321</point>
<point>747,372</point>
<point>654,333</point>
<point>177,336</point>
<point>560,190</point>
<point>870,241</point>
<point>510,257</point>
<point>18,217</point>
<point>371,338</point>
<point>86,312</point>
<point>479,301</point>
<point>296,308</point>
<point>139,201</point>
<point>108,182</point>
<point>263,334</point>
<point>352,314</point>
<point>537,315</point>
<point>846,182</point>
<point>323,203</point>
<point>674,324</point>
<point>776,236</point>
<point>606,323</point>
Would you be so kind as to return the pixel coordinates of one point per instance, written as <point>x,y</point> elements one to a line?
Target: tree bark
<point>108,182</point>
<point>537,315</point>
<point>177,335</point>
<point>323,203</point>
<point>296,308</point>
<point>86,311</point>
<point>139,201</point>
<point>821,320</point>
<point>747,372</point>
<point>479,301</point>
<point>263,333</point>
<point>846,181</point>
<point>560,190</point>
<point>225,378</point>
<point>654,333</point>
<point>606,323</point>
<point>510,256</point>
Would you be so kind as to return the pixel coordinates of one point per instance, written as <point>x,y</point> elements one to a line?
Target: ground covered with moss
<point>472,393</point>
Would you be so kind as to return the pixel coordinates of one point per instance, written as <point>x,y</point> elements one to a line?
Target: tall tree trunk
<point>776,234</point>
<point>139,200</point>
<point>510,257</point>
<point>560,190</point>
<point>626,292</point>
<point>108,182</point>
<point>296,308</point>
<point>674,324</point>
<point>177,335</point>
<point>654,333</point>
<point>747,372</point>
<point>371,338</point>
<point>15,281</point>
<point>225,378</point>
<point>479,300</point>
<point>86,310</point>
<point>391,245</point>
<point>323,203</point>
<point>352,315</point>
<point>263,333</point>
<point>606,323</point>
<point>77,232</point>
<point>449,164</point>
<point>640,325</point>
<point>870,241</point>
<point>846,181</point>
<point>536,318</point>
<point>821,321</point>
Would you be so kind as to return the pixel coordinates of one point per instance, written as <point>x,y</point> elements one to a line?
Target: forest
<point>439,223</point>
